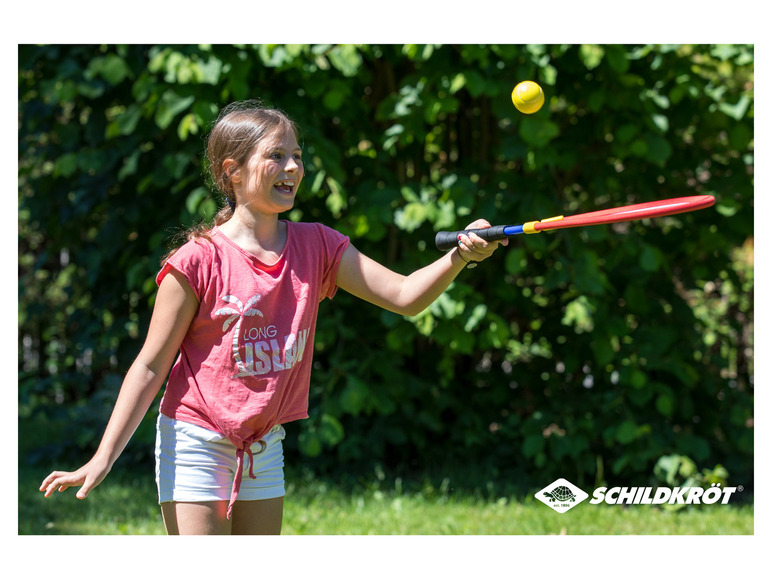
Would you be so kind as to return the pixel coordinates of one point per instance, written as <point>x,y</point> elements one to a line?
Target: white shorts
<point>194,464</point>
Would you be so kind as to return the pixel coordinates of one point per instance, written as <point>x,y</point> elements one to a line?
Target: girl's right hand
<point>87,477</point>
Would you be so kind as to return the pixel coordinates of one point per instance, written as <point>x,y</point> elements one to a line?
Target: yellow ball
<point>528,97</point>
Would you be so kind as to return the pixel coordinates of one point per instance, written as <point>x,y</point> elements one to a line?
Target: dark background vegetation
<point>587,353</point>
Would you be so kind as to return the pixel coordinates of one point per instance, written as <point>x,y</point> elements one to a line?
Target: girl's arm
<point>409,295</point>
<point>175,306</point>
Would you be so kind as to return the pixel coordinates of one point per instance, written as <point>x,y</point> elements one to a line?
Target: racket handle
<point>445,240</point>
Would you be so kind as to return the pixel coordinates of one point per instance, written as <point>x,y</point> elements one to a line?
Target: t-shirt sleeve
<point>334,244</point>
<point>193,260</point>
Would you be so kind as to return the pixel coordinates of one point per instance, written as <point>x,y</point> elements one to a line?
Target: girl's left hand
<point>473,248</point>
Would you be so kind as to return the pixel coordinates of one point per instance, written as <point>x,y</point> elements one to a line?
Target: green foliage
<point>675,470</point>
<point>580,353</point>
<point>681,471</point>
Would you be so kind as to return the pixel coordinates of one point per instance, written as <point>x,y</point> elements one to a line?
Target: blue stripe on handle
<point>513,230</point>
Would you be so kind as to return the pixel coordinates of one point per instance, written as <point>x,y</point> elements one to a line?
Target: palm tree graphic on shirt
<point>239,314</point>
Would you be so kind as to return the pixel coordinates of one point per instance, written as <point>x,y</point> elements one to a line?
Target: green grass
<point>125,504</point>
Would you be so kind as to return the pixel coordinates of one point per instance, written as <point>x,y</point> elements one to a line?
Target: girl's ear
<point>231,170</point>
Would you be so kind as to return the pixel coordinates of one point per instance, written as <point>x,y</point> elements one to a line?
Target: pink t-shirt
<point>245,363</point>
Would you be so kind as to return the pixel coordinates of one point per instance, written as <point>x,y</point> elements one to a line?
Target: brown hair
<point>235,133</point>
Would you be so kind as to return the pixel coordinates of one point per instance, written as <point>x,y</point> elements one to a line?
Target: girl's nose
<point>292,165</point>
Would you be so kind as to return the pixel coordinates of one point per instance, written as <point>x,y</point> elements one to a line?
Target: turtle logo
<point>561,495</point>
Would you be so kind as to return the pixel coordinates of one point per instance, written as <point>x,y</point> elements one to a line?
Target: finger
<point>61,484</point>
<point>465,244</point>
<point>49,484</point>
<point>85,489</point>
<point>479,249</point>
<point>47,481</point>
<point>478,224</point>
<point>52,486</point>
<point>477,241</point>
<point>55,485</point>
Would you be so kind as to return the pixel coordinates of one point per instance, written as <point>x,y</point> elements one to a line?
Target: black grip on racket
<point>445,240</point>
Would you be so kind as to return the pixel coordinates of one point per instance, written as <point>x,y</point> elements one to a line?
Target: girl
<point>239,303</point>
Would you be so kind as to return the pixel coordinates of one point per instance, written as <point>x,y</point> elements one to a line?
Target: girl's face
<point>270,178</point>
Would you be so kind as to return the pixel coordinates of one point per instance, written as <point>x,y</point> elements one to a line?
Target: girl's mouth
<point>285,187</point>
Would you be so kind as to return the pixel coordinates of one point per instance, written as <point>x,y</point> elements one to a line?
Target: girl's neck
<point>262,235</point>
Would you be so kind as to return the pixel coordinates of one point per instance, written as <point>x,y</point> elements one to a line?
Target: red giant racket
<point>449,239</point>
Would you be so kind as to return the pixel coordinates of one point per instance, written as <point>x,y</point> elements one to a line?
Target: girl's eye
<point>278,156</point>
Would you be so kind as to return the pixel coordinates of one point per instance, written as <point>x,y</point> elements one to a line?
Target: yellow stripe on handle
<point>530,227</point>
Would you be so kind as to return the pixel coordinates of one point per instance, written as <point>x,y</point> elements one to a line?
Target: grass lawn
<point>125,504</point>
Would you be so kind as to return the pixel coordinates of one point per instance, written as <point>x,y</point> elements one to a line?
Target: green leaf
<point>591,55</point>
<point>457,83</point>
<point>477,315</point>
<point>728,207</point>
<point>208,209</point>
<point>446,307</point>
<point>411,216</point>
<point>354,395</point>
<point>639,148</point>
<point>194,200</point>
<point>318,181</point>
<point>650,258</point>
<point>170,106</point>
<point>596,100</point>
<point>66,165</point>
<point>129,166</point>
<point>187,126</point>
<point>666,403</point>
<point>309,444</point>
<point>627,432</point>
<point>475,83</point>
<point>632,377</point>
<point>345,58</point>
<point>125,123</point>
<point>736,111</point>
<point>626,132</point>
<point>687,468</point>
<point>335,96</point>
<point>658,149</point>
<point>209,72</point>
<point>330,430</point>
<point>424,322</point>
<point>604,352</point>
<point>537,130</point>
<point>616,58</point>
<point>533,444</point>
<point>579,315</point>
<point>110,67</point>
<point>666,469</point>
<point>740,136</point>
<point>336,201</point>
<point>515,261</point>
<point>661,122</point>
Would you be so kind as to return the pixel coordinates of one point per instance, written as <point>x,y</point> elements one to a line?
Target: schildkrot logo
<point>662,495</point>
<point>562,495</point>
